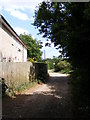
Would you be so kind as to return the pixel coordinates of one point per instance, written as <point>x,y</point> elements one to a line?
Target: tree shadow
<point>52,100</point>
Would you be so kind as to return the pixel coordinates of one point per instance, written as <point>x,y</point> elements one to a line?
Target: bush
<point>63,66</point>
<point>31,59</point>
<point>49,62</point>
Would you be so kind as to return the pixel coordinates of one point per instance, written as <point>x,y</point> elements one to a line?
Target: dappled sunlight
<point>52,94</point>
<point>48,100</point>
<point>44,89</point>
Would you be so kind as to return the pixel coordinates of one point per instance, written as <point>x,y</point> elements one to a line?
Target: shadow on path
<point>51,100</point>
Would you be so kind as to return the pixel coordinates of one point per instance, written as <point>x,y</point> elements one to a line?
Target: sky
<point>19,14</point>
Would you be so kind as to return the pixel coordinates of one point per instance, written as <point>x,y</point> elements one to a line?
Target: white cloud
<point>20,30</point>
<point>19,15</point>
<point>20,4</point>
<point>14,7</point>
<point>0,7</point>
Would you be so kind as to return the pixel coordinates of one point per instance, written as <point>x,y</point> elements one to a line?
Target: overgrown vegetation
<point>68,26</point>
<point>50,63</point>
<point>59,65</point>
<point>34,46</point>
<point>4,86</point>
<point>63,66</point>
<point>24,86</point>
<point>12,91</point>
<point>38,75</point>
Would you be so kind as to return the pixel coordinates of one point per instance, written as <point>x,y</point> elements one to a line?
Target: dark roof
<point>11,28</point>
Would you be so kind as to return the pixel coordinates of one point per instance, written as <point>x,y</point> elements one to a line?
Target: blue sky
<point>19,14</point>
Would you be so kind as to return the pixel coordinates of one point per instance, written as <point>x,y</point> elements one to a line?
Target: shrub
<point>63,66</point>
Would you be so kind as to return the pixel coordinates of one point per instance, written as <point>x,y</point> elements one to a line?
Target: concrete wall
<point>10,48</point>
<point>17,73</point>
<point>41,71</point>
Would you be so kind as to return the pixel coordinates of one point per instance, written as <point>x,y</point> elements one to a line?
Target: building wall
<point>15,74</point>
<point>11,50</point>
<point>25,54</point>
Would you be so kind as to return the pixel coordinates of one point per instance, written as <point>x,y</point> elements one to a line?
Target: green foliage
<point>24,86</point>
<point>50,63</point>
<point>31,59</point>
<point>59,65</point>
<point>63,66</point>
<point>68,26</point>
<point>3,86</point>
<point>34,46</point>
<point>12,91</point>
<point>61,26</point>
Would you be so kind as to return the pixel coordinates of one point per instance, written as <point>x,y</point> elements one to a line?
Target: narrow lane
<point>51,100</point>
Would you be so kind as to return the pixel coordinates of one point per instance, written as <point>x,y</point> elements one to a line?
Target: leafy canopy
<point>66,25</point>
<point>33,52</point>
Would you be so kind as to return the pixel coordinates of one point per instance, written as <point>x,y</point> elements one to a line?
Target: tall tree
<point>68,26</point>
<point>33,47</point>
<point>58,22</point>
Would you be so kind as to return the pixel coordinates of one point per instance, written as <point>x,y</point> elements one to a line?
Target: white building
<point>12,48</point>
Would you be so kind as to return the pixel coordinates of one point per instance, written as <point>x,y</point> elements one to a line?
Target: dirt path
<point>51,100</point>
